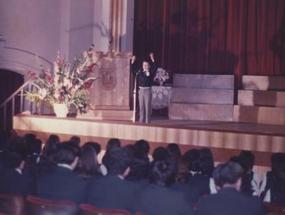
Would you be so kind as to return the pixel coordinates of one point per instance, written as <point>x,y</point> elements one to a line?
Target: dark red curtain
<point>212,36</point>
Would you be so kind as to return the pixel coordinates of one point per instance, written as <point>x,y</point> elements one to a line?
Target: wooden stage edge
<point>225,139</point>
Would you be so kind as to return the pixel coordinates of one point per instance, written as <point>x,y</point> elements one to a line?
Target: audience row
<point>128,177</point>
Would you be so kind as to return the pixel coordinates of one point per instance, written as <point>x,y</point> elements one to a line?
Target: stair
<point>202,97</point>
<point>262,100</point>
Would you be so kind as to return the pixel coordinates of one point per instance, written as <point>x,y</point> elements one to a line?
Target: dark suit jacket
<point>156,200</point>
<point>112,192</point>
<point>201,183</point>
<point>191,194</point>
<point>228,201</point>
<point>12,181</point>
<point>61,184</point>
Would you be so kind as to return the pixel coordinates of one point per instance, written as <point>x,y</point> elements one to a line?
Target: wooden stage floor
<point>224,138</point>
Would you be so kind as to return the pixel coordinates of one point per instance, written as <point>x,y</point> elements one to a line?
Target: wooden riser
<point>120,115</point>
<point>204,81</point>
<point>261,98</point>
<point>213,112</point>
<point>202,96</point>
<point>250,82</point>
<point>263,115</point>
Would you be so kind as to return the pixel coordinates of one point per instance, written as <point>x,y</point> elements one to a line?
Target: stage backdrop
<point>213,36</point>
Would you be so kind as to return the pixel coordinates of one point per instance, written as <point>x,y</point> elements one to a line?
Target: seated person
<point>113,191</point>
<point>229,199</point>
<point>60,182</point>
<point>273,189</point>
<point>157,198</point>
<point>12,179</point>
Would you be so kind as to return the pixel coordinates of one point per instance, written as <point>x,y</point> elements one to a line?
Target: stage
<point>224,138</point>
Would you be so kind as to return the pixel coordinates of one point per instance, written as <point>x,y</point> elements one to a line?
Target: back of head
<point>248,159</point>
<point>87,164</point>
<point>174,151</point>
<point>227,174</point>
<point>192,158</point>
<point>96,146</point>
<point>118,161</point>
<point>206,162</point>
<point>141,149</point>
<point>160,154</point>
<point>65,154</point>
<point>277,161</point>
<point>163,173</point>
<point>76,140</point>
<point>113,143</point>
<point>139,169</point>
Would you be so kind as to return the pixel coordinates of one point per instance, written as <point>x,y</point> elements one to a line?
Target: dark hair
<point>277,161</point>
<point>113,143</point>
<point>34,147</point>
<point>76,140</point>
<point>119,161</point>
<point>96,146</point>
<point>141,149</point>
<point>138,169</point>
<point>65,153</point>
<point>160,153</point>
<point>174,151</point>
<point>192,158</point>
<point>248,159</point>
<point>87,164</point>
<point>227,173</point>
<point>206,162</point>
<point>163,173</point>
<point>50,148</point>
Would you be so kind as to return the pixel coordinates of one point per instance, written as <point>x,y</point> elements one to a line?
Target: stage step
<point>202,96</point>
<point>252,82</point>
<point>261,98</point>
<point>121,115</point>
<point>203,81</point>
<point>263,115</point>
<point>183,111</point>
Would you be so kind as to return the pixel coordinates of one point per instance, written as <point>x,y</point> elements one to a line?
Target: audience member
<point>157,198</point>
<point>113,191</point>
<point>160,154</point>
<point>61,182</point>
<point>229,200</point>
<point>13,179</point>
<point>174,151</point>
<point>87,166</point>
<point>273,189</point>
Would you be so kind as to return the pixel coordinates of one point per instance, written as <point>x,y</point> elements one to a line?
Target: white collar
<point>19,171</point>
<point>64,165</point>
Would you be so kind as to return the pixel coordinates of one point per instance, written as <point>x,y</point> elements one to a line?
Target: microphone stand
<point>135,98</point>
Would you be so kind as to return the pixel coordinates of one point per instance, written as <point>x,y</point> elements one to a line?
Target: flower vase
<point>60,110</point>
<point>161,83</point>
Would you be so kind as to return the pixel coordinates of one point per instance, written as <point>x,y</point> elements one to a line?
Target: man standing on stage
<point>144,78</point>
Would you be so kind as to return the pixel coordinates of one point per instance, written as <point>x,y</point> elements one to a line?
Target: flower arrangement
<point>69,84</point>
<point>161,76</point>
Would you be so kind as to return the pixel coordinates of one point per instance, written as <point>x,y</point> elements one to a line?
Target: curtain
<point>212,36</point>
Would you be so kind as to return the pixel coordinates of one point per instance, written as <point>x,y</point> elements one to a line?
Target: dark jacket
<point>229,201</point>
<point>61,184</point>
<point>156,200</point>
<point>11,181</point>
<point>112,192</point>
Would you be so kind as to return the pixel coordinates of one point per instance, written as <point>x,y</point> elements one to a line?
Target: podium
<point>110,95</point>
